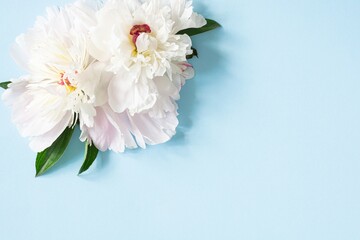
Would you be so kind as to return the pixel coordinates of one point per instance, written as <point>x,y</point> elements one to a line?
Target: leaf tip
<point>81,171</point>
<point>5,85</point>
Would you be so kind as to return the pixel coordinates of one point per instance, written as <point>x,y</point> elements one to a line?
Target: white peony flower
<point>139,43</point>
<point>64,82</point>
<point>118,131</point>
<point>115,69</point>
<point>120,83</point>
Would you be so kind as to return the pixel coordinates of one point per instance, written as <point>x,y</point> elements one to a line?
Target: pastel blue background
<point>268,146</point>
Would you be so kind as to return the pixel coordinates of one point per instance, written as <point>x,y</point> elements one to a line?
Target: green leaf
<point>5,85</point>
<point>210,25</point>
<point>194,54</point>
<point>50,156</point>
<point>91,153</point>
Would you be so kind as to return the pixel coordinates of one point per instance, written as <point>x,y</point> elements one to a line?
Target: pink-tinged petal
<point>155,130</point>
<point>103,134</point>
<point>117,131</point>
<point>110,131</point>
<point>188,73</point>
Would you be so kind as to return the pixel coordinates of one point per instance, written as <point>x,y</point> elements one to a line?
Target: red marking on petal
<point>187,65</point>
<point>138,29</point>
<point>65,81</point>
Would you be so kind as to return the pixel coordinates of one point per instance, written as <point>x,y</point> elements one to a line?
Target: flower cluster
<point>114,68</point>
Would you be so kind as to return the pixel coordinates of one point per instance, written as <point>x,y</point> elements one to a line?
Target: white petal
<point>111,131</point>
<point>184,17</point>
<point>33,116</point>
<point>40,143</point>
<point>155,130</point>
<point>126,93</point>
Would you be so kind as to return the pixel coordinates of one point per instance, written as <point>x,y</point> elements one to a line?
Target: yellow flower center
<point>64,81</point>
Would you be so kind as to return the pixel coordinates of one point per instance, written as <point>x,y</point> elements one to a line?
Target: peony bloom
<point>64,84</point>
<point>115,69</point>
<point>138,42</point>
<point>139,45</point>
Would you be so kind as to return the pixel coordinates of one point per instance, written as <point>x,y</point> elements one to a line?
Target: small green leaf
<point>91,153</point>
<point>194,54</point>
<point>210,25</point>
<point>5,85</point>
<point>50,156</point>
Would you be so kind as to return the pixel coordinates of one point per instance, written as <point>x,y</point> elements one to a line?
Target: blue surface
<point>268,145</point>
